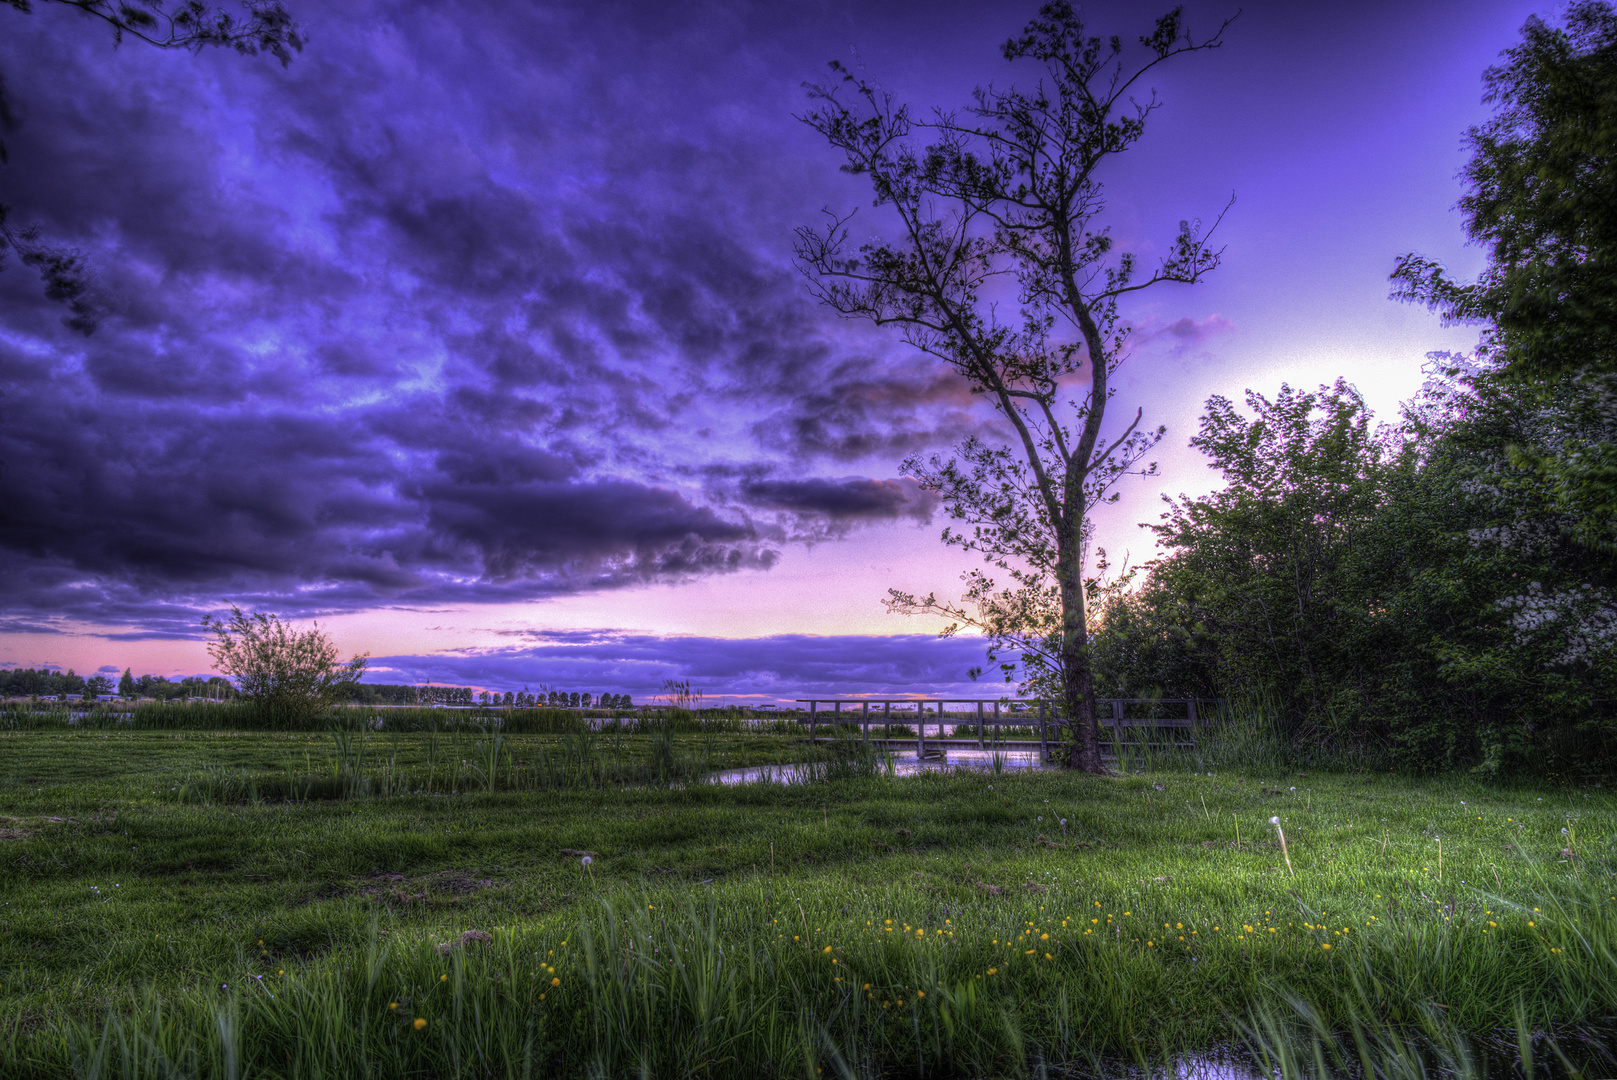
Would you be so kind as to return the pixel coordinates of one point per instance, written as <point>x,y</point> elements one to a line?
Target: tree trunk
<point>1077,680</point>
<point>1083,744</point>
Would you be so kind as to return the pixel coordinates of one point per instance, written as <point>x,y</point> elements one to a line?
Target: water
<point>905,763</point>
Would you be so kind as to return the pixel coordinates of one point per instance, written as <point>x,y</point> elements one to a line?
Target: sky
<point>474,333</point>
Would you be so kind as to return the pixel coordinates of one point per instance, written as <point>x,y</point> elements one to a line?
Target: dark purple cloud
<point>458,307</point>
<point>780,667</point>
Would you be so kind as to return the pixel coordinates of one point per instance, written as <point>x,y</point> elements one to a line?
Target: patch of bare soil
<point>446,888</point>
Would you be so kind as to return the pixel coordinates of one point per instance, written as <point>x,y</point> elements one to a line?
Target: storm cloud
<point>446,311</point>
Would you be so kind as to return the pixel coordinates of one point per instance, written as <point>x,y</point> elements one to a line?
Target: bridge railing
<point>990,715</point>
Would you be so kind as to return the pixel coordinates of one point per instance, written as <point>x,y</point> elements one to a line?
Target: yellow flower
<point>555,982</point>
<point>420,1023</point>
<point>993,971</point>
<point>1327,948</point>
<point>827,948</point>
<point>392,1004</point>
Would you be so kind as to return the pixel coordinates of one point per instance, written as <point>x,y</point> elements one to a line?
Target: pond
<point>904,763</point>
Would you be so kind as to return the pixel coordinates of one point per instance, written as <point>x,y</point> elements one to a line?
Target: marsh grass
<point>135,926</point>
<point>241,716</point>
<point>739,984</point>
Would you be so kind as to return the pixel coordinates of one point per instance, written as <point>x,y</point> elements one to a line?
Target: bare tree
<point>1006,190</point>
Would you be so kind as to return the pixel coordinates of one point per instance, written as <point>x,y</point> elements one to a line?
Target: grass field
<point>177,904</point>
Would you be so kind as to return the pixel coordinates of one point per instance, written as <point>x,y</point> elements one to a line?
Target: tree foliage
<point>1005,197</point>
<point>1444,593</point>
<point>1397,595</point>
<point>289,672</point>
<point>1543,199</point>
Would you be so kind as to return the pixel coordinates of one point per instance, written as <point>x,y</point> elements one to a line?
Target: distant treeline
<point>241,715</point>
<point>46,683</point>
<point>387,694</point>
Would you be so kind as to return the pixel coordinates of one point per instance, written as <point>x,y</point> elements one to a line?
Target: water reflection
<point>1195,1067</point>
<point>904,763</point>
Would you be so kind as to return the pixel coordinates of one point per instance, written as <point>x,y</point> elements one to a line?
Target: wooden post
<point>1044,737</point>
<point>920,729</point>
<point>812,706</point>
<point>887,721</point>
<point>980,722</point>
<point>864,723</point>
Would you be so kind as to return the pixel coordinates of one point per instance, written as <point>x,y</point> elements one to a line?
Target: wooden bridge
<point>1163,732</point>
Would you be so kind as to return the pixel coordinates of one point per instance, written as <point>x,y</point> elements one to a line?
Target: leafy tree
<point>289,672</point>
<point>1262,562</point>
<point>1008,190</point>
<point>126,684</point>
<point>95,686</point>
<point>1525,435</point>
<point>1543,198</point>
<point>191,25</point>
<point>1543,178</point>
<point>1513,612</point>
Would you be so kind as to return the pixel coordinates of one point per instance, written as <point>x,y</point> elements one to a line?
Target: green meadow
<point>257,904</point>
